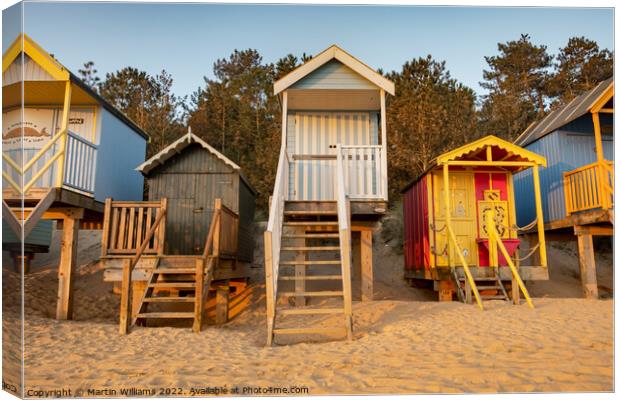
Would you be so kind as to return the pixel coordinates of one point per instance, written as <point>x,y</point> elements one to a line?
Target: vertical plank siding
<point>191,181</point>
<point>316,134</point>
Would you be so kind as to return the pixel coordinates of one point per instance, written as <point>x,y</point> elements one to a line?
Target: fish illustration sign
<point>33,126</point>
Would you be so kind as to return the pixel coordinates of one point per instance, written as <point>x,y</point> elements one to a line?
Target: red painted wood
<point>416,232</point>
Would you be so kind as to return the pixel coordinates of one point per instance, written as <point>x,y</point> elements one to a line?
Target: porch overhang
<point>334,99</point>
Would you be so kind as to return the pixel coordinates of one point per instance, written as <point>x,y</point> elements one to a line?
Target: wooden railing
<point>273,238</point>
<point>344,231</point>
<point>130,263</point>
<point>208,258</point>
<point>226,239</point>
<point>363,173</point>
<point>80,163</point>
<point>126,227</point>
<point>495,242</point>
<point>77,155</point>
<point>589,187</point>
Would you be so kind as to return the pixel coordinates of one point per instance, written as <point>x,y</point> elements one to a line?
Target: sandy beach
<point>405,341</point>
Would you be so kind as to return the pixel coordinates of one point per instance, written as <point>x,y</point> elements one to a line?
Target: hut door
<point>463,218</point>
<point>313,153</point>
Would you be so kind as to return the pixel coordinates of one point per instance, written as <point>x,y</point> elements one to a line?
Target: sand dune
<point>405,342</point>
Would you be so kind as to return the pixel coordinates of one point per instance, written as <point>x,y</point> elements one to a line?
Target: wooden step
<point>312,236</point>
<point>167,315</point>
<point>166,299</point>
<point>324,293</point>
<point>173,285</point>
<point>310,311</point>
<point>493,297</point>
<point>297,331</point>
<point>311,223</point>
<point>310,213</point>
<point>311,248</point>
<point>494,287</point>
<point>175,270</point>
<point>311,262</point>
<point>311,278</point>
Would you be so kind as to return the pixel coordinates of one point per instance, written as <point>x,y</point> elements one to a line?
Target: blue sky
<point>185,39</point>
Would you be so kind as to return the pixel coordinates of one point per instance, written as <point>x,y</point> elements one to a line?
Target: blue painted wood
<point>40,235</point>
<point>568,148</point>
<point>120,151</point>
<point>334,75</point>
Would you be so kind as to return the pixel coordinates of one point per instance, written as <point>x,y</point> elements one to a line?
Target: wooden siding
<point>31,70</point>
<point>247,202</point>
<point>191,181</point>
<point>120,151</point>
<point>566,149</point>
<point>312,133</point>
<point>334,75</point>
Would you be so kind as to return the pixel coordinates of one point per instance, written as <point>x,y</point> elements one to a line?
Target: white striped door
<point>315,138</point>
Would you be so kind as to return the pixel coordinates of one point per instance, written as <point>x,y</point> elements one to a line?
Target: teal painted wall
<point>334,75</point>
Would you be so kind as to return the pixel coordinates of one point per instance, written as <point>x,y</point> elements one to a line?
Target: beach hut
<point>330,189</point>
<point>460,225</point>
<point>65,150</point>
<point>194,232</point>
<point>578,186</point>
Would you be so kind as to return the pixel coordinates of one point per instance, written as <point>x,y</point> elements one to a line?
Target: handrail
<point>344,233</point>
<point>466,269</point>
<point>209,241</point>
<point>273,238</point>
<point>495,241</point>
<point>128,266</point>
<point>589,187</point>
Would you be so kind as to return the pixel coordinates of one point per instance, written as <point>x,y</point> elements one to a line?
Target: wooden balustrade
<point>589,187</point>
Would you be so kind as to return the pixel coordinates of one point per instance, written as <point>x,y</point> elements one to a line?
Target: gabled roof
<point>59,72</point>
<point>475,151</point>
<point>512,151</point>
<point>176,147</point>
<point>590,101</point>
<point>331,53</point>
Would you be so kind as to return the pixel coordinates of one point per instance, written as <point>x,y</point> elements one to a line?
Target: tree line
<point>236,112</point>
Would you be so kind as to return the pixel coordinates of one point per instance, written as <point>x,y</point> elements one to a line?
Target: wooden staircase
<point>310,255</point>
<point>172,285</point>
<point>489,288</point>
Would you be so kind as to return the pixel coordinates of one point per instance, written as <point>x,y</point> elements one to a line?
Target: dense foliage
<point>430,113</point>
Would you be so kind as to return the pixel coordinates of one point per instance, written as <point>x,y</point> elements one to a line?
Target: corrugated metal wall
<point>416,226</point>
<point>565,150</point>
<point>192,181</point>
<point>312,133</point>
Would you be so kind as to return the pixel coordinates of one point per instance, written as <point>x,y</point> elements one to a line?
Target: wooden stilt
<point>516,293</point>
<point>300,269</point>
<point>356,255</point>
<point>125,298</point>
<point>468,292</point>
<point>532,241</point>
<point>221,303</point>
<point>587,266</point>
<point>366,265</point>
<point>446,289</point>
<point>68,254</point>
<point>198,306</point>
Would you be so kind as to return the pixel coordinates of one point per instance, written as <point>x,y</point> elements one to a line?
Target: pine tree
<point>88,74</point>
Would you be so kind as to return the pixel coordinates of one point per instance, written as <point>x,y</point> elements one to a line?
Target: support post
<point>516,293</point>
<point>467,292</point>
<point>68,255</point>
<point>221,303</point>
<point>66,108</point>
<point>384,177</point>
<point>540,224</point>
<point>587,266</point>
<point>198,306</point>
<point>600,158</point>
<point>366,265</point>
<point>446,289</point>
<point>125,298</point>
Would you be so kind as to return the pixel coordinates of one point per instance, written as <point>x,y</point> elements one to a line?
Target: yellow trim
<point>40,172</point>
<point>494,243</point>
<point>452,236</point>
<point>603,99</point>
<point>539,218</point>
<point>66,108</point>
<point>24,43</point>
<point>11,182</point>
<point>493,141</point>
